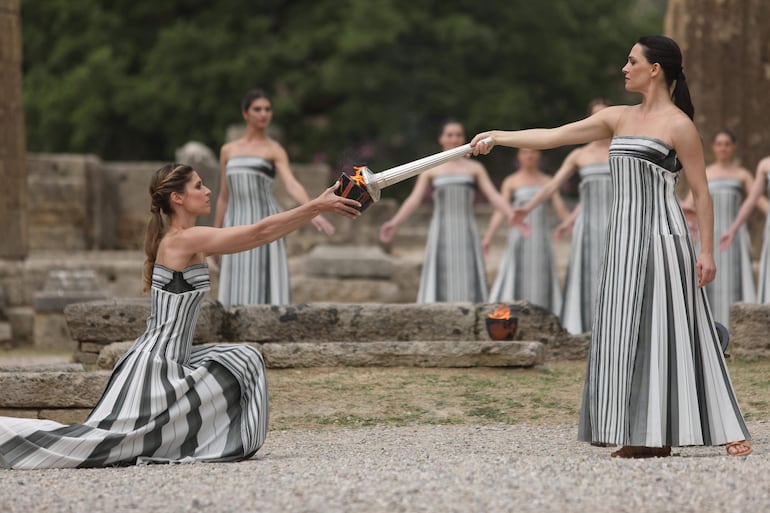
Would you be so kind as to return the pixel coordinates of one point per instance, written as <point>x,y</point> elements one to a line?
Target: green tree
<point>135,80</point>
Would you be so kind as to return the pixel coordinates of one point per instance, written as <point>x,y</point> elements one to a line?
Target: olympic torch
<point>365,186</point>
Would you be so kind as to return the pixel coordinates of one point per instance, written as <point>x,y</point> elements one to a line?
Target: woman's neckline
<point>266,159</point>
<point>191,266</point>
<point>661,141</point>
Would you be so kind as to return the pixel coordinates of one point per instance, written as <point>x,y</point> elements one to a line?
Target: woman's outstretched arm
<point>208,240</point>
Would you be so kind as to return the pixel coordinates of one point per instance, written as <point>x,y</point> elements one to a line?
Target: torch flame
<point>358,178</point>
<point>500,312</point>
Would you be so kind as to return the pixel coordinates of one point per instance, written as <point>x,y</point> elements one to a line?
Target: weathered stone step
<point>41,367</point>
<point>431,353</point>
<point>97,324</point>
<point>51,389</point>
<point>434,353</point>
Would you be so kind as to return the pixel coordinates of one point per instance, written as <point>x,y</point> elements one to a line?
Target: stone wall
<point>67,208</point>
<point>79,202</point>
<point>303,334</point>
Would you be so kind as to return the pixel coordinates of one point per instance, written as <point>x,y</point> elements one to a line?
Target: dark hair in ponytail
<point>170,178</point>
<point>664,51</point>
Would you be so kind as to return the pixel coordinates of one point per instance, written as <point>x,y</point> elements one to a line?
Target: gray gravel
<point>416,468</point>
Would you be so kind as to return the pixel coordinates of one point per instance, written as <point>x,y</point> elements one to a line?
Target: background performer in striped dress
<point>167,401</point>
<point>590,218</point>
<point>527,270</point>
<point>453,267</point>
<point>729,184</point>
<point>656,373</point>
<point>756,198</point>
<point>249,167</point>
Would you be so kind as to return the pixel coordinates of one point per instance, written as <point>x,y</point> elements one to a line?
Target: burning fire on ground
<point>500,312</point>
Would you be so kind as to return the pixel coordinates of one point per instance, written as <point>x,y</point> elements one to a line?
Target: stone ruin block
<point>62,288</point>
<point>474,353</point>
<point>96,324</point>
<point>329,322</point>
<point>343,262</point>
<point>61,196</point>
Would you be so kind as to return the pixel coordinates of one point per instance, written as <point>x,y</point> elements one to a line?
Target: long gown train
<point>165,400</point>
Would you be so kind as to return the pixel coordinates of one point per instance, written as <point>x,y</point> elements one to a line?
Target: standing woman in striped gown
<point>453,266</point>
<point>589,218</point>
<point>656,373</point>
<point>729,184</point>
<point>249,167</point>
<point>167,401</point>
<point>756,199</point>
<point>527,268</point>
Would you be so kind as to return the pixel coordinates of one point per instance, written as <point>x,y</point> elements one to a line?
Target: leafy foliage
<point>136,79</point>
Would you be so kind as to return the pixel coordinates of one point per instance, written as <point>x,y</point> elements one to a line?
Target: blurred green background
<point>353,81</point>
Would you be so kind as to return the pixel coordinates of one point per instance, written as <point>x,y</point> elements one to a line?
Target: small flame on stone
<point>500,312</point>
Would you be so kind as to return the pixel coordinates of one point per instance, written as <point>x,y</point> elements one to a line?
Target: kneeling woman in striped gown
<point>656,373</point>
<point>165,400</point>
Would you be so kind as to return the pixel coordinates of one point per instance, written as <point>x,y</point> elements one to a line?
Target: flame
<point>500,312</point>
<point>358,178</point>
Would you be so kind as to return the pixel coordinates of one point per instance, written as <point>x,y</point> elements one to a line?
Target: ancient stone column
<point>726,46</point>
<point>13,175</point>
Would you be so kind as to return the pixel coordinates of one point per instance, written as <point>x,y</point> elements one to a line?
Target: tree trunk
<point>13,170</point>
<point>726,47</point>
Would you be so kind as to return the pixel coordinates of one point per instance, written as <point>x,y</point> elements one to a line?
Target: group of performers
<point>656,374</point>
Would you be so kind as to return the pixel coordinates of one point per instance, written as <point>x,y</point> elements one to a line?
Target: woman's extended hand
<point>480,146</point>
<point>328,201</point>
<point>563,229</point>
<point>726,240</point>
<point>517,219</point>
<point>387,231</point>
<point>706,269</point>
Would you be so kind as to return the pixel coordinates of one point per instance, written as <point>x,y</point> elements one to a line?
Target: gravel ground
<point>415,468</point>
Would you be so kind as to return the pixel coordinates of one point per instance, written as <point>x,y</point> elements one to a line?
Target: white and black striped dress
<point>656,373</point>
<point>589,239</point>
<point>763,292</point>
<point>527,269</point>
<point>734,281</point>
<point>453,268</point>
<point>260,275</point>
<point>165,400</point>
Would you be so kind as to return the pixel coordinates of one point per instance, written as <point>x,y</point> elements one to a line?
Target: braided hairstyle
<point>666,52</point>
<point>170,178</point>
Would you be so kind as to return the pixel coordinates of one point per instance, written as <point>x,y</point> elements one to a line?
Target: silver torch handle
<point>377,181</point>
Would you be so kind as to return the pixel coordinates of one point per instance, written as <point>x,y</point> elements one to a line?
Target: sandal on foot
<point>632,451</point>
<point>742,448</point>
